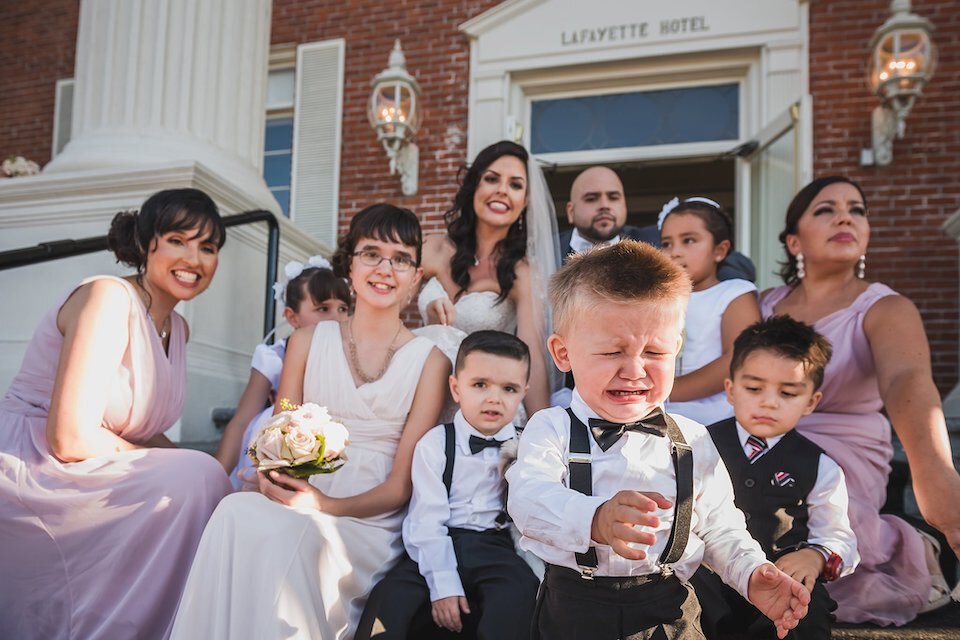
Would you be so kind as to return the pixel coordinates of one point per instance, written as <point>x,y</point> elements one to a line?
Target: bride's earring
<point>861,266</point>
<point>801,272</point>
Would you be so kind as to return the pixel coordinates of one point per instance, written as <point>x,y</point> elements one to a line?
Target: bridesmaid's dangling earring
<point>801,272</point>
<point>861,266</point>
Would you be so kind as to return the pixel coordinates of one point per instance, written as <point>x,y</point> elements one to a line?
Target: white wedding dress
<point>264,570</point>
<point>475,311</point>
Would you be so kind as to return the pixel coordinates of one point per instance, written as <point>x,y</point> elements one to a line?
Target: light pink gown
<point>100,548</point>
<point>891,583</point>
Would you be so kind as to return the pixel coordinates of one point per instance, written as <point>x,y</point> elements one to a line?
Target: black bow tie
<point>479,444</point>
<point>607,433</point>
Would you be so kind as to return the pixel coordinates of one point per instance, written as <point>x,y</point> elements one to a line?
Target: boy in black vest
<point>462,566</point>
<point>792,494</point>
<point>619,499</point>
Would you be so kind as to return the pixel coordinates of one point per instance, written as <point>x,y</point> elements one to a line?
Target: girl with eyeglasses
<point>300,557</point>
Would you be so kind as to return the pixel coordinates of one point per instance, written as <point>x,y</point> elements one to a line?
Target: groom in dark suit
<point>598,212</point>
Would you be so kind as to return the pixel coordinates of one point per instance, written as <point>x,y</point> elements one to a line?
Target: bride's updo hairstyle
<point>795,210</point>
<point>462,223</point>
<point>383,222</point>
<point>133,233</point>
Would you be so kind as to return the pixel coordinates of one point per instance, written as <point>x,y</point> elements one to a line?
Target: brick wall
<point>37,45</point>
<point>911,198</point>
<point>438,55</point>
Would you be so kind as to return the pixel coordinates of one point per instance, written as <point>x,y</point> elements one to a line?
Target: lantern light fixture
<point>902,60</point>
<point>395,115</point>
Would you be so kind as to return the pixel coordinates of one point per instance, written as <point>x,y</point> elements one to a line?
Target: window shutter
<point>318,111</point>
<point>62,115</point>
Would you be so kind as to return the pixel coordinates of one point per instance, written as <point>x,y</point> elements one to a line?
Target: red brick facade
<point>912,197</point>
<point>909,199</point>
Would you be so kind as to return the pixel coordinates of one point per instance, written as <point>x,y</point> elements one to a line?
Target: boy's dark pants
<point>500,588</point>
<point>725,611</point>
<point>637,608</point>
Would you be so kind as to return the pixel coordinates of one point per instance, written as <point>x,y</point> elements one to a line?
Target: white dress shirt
<point>578,243</point>
<point>476,499</point>
<point>555,520</point>
<point>827,503</point>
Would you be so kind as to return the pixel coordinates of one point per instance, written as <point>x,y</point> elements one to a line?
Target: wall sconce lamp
<point>395,115</point>
<point>902,61</point>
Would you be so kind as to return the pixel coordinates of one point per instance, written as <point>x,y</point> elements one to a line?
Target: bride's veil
<point>543,256</point>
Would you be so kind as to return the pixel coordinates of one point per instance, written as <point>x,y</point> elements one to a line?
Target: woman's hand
<point>441,311</point>
<point>291,491</point>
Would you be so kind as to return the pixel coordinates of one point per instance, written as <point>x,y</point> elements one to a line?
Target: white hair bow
<point>665,210</point>
<point>294,268</point>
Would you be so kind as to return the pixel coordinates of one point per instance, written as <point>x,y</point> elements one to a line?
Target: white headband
<point>670,206</point>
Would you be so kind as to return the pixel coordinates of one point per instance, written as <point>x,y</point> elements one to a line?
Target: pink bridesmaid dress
<point>100,548</point>
<point>892,582</point>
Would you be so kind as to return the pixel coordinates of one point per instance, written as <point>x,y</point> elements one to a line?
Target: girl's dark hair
<point>383,222</point>
<point>319,284</point>
<point>462,223</point>
<point>716,220</point>
<point>132,233</point>
<point>800,203</point>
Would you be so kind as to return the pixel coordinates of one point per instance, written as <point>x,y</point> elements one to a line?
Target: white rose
<point>278,421</point>
<point>311,417</point>
<point>269,448</point>
<point>334,439</point>
<point>303,445</point>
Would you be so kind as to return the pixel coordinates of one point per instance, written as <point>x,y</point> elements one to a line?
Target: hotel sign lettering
<point>634,31</point>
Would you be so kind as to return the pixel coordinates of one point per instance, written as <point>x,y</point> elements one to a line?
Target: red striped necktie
<point>754,447</point>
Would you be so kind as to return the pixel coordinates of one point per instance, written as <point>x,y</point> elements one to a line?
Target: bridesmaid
<point>86,474</point>
<point>881,361</point>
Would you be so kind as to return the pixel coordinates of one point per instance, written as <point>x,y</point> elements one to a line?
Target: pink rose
<point>269,448</point>
<point>303,445</point>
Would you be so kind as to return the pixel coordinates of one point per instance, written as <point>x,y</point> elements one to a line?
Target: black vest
<point>772,492</point>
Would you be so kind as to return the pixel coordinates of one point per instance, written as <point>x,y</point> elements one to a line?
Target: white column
<point>161,81</point>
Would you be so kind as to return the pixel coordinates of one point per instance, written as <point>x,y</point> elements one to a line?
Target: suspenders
<point>450,451</point>
<point>581,479</point>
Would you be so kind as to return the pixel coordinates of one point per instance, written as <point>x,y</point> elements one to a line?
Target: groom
<point>598,212</point>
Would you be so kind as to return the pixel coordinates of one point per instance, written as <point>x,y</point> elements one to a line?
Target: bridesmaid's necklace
<point>355,360</point>
<point>163,330</point>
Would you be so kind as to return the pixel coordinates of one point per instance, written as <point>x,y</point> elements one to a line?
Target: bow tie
<point>607,433</point>
<point>479,444</point>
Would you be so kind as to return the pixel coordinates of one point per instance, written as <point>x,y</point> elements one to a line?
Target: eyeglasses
<point>399,263</point>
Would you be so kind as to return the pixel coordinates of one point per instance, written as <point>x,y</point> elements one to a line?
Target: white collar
<point>743,434</point>
<point>464,430</point>
<point>578,243</point>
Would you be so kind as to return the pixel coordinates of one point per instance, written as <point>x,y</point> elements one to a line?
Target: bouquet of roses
<point>300,441</point>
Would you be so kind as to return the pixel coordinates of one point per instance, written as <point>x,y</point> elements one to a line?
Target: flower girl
<point>697,235</point>
<point>300,557</point>
<point>312,294</point>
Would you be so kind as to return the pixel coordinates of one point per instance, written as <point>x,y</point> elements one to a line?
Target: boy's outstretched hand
<point>446,612</point>
<point>613,522</point>
<point>778,596</point>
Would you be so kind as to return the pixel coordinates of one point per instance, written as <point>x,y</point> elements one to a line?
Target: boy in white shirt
<point>461,565</point>
<point>792,493</point>
<point>597,503</point>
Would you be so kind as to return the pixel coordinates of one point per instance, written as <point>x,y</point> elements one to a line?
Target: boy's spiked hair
<point>628,271</point>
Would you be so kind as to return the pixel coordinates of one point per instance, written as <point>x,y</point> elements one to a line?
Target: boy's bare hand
<point>446,612</point>
<point>613,523</point>
<point>778,596</point>
<point>803,565</point>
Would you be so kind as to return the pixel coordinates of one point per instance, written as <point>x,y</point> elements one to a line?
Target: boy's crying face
<point>622,354</point>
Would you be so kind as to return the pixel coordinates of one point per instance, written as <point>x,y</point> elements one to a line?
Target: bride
<point>490,269</point>
<point>299,558</point>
